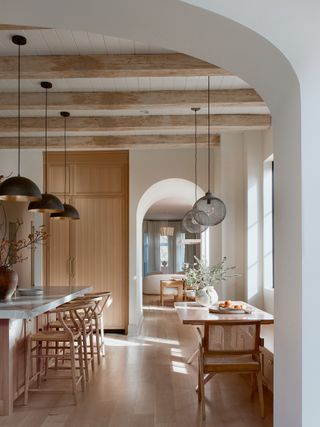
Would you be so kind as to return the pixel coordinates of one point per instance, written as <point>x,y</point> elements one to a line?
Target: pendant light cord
<point>209,160</point>
<point>65,159</point>
<point>195,156</point>
<point>19,107</point>
<point>46,144</point>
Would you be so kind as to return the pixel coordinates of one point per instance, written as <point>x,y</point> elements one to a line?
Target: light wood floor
<point>144,382</point>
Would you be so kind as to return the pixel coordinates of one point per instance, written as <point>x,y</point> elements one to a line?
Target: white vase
<point>207,296</point>
<point>212,295</point>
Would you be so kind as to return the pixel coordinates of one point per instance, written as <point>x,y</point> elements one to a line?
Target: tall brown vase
<point>8,283</point>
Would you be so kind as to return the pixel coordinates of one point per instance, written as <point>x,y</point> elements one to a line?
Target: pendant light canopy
<point>209,210</point>
<point>166,231</point>
<point>189,222</point>
<point>19,188</point>
<point>49,203</point>
<point>69,212</point>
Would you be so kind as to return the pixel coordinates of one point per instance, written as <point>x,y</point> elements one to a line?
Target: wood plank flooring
<point>145,382</point>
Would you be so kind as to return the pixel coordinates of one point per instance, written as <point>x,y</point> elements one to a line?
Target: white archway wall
<point>148,167</point>
<point>236,48</point>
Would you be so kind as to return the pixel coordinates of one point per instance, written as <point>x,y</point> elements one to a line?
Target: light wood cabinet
<point>94,250</point>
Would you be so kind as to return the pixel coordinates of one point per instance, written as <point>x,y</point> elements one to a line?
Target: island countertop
<point>27,307</point>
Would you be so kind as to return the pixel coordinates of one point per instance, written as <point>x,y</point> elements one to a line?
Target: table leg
<point>192,357</point>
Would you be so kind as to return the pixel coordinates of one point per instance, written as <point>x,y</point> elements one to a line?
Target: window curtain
<point>178,254</point>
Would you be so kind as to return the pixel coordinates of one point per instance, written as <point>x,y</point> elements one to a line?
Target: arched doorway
<point>168,188</point>
<point>226,43</point>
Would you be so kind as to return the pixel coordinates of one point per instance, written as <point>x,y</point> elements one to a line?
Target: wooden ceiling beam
<point>219,123</point>
<point>20,27</point>
<point>132,100</point>
<point>100,66</point>
<point>107,142</point>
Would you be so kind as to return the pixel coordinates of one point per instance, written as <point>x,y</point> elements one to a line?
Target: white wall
<point>150,166</point>
<point>268,291</point>
<point>31,167</point>
<point>230,187</point>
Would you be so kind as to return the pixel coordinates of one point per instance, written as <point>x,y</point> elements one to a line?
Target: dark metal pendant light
<point>19,188</point>
<point>70,212</point>
<point>49,203</point>
<point>189,222</point>
<point>209,210</point>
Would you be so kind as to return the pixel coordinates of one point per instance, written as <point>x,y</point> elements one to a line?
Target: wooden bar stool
<point>98,321</point>
<point>84,319</point>
<point>69,335</point>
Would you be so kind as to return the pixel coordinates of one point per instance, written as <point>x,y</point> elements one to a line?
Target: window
<point>145,253</point>
<point>268,223</point>
<point>164,251</point>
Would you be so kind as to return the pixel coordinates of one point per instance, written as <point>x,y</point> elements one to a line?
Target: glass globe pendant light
<point>18,188</point>
<point>49,203</point>
<point>69,211</point>
<point>209,210</point>
<point>189,222</point>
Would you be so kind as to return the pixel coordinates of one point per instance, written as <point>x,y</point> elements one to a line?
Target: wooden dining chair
<point>229,347</point>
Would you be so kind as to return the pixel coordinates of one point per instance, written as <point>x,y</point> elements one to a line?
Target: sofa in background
<point>151,283</point>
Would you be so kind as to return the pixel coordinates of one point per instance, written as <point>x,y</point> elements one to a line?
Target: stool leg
<point>27,372</point>
<point>56,353</point>
<point>80,353</point>
<point>102,335</point>
<point>39,364</point>
<point>91,348</point>
<point>85,353</point>
<point>98,338</point>
<point>46,361</point>
<point>73,371</point>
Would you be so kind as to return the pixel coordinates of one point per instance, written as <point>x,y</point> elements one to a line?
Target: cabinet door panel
<point>99,248</point>
<point>58,262</point>
<point>98,179</point>
<point>56,179</point>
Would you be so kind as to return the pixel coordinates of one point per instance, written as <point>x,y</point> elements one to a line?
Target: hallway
<point>144,382</point>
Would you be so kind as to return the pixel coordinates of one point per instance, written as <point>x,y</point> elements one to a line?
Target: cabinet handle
<point>68,266</point>
<point>72,267</point>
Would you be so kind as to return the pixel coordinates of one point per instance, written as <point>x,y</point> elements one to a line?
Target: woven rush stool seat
<point>53,336</point>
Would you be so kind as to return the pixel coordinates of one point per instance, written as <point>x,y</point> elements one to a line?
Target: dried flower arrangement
<point>11,250</point>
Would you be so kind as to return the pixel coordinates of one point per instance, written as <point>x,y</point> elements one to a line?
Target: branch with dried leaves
<point>11,251</point>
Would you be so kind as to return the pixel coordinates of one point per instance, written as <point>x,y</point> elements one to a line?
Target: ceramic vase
<point>8,283</point>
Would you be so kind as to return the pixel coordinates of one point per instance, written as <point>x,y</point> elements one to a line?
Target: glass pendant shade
<point>191,225</point>
<point>189,222</point>
<point>19,188</point>
<point>209,210</point>
<point>48,203</point>
<point>166,231</point>
<point>69,212</point>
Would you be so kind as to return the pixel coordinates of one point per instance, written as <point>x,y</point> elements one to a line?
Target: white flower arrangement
<point>201,276</point>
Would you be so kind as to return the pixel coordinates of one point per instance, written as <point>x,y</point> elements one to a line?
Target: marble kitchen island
<point>19,317</point>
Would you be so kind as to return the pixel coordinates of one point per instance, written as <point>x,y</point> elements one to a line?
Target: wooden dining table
<point>192,313</point>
